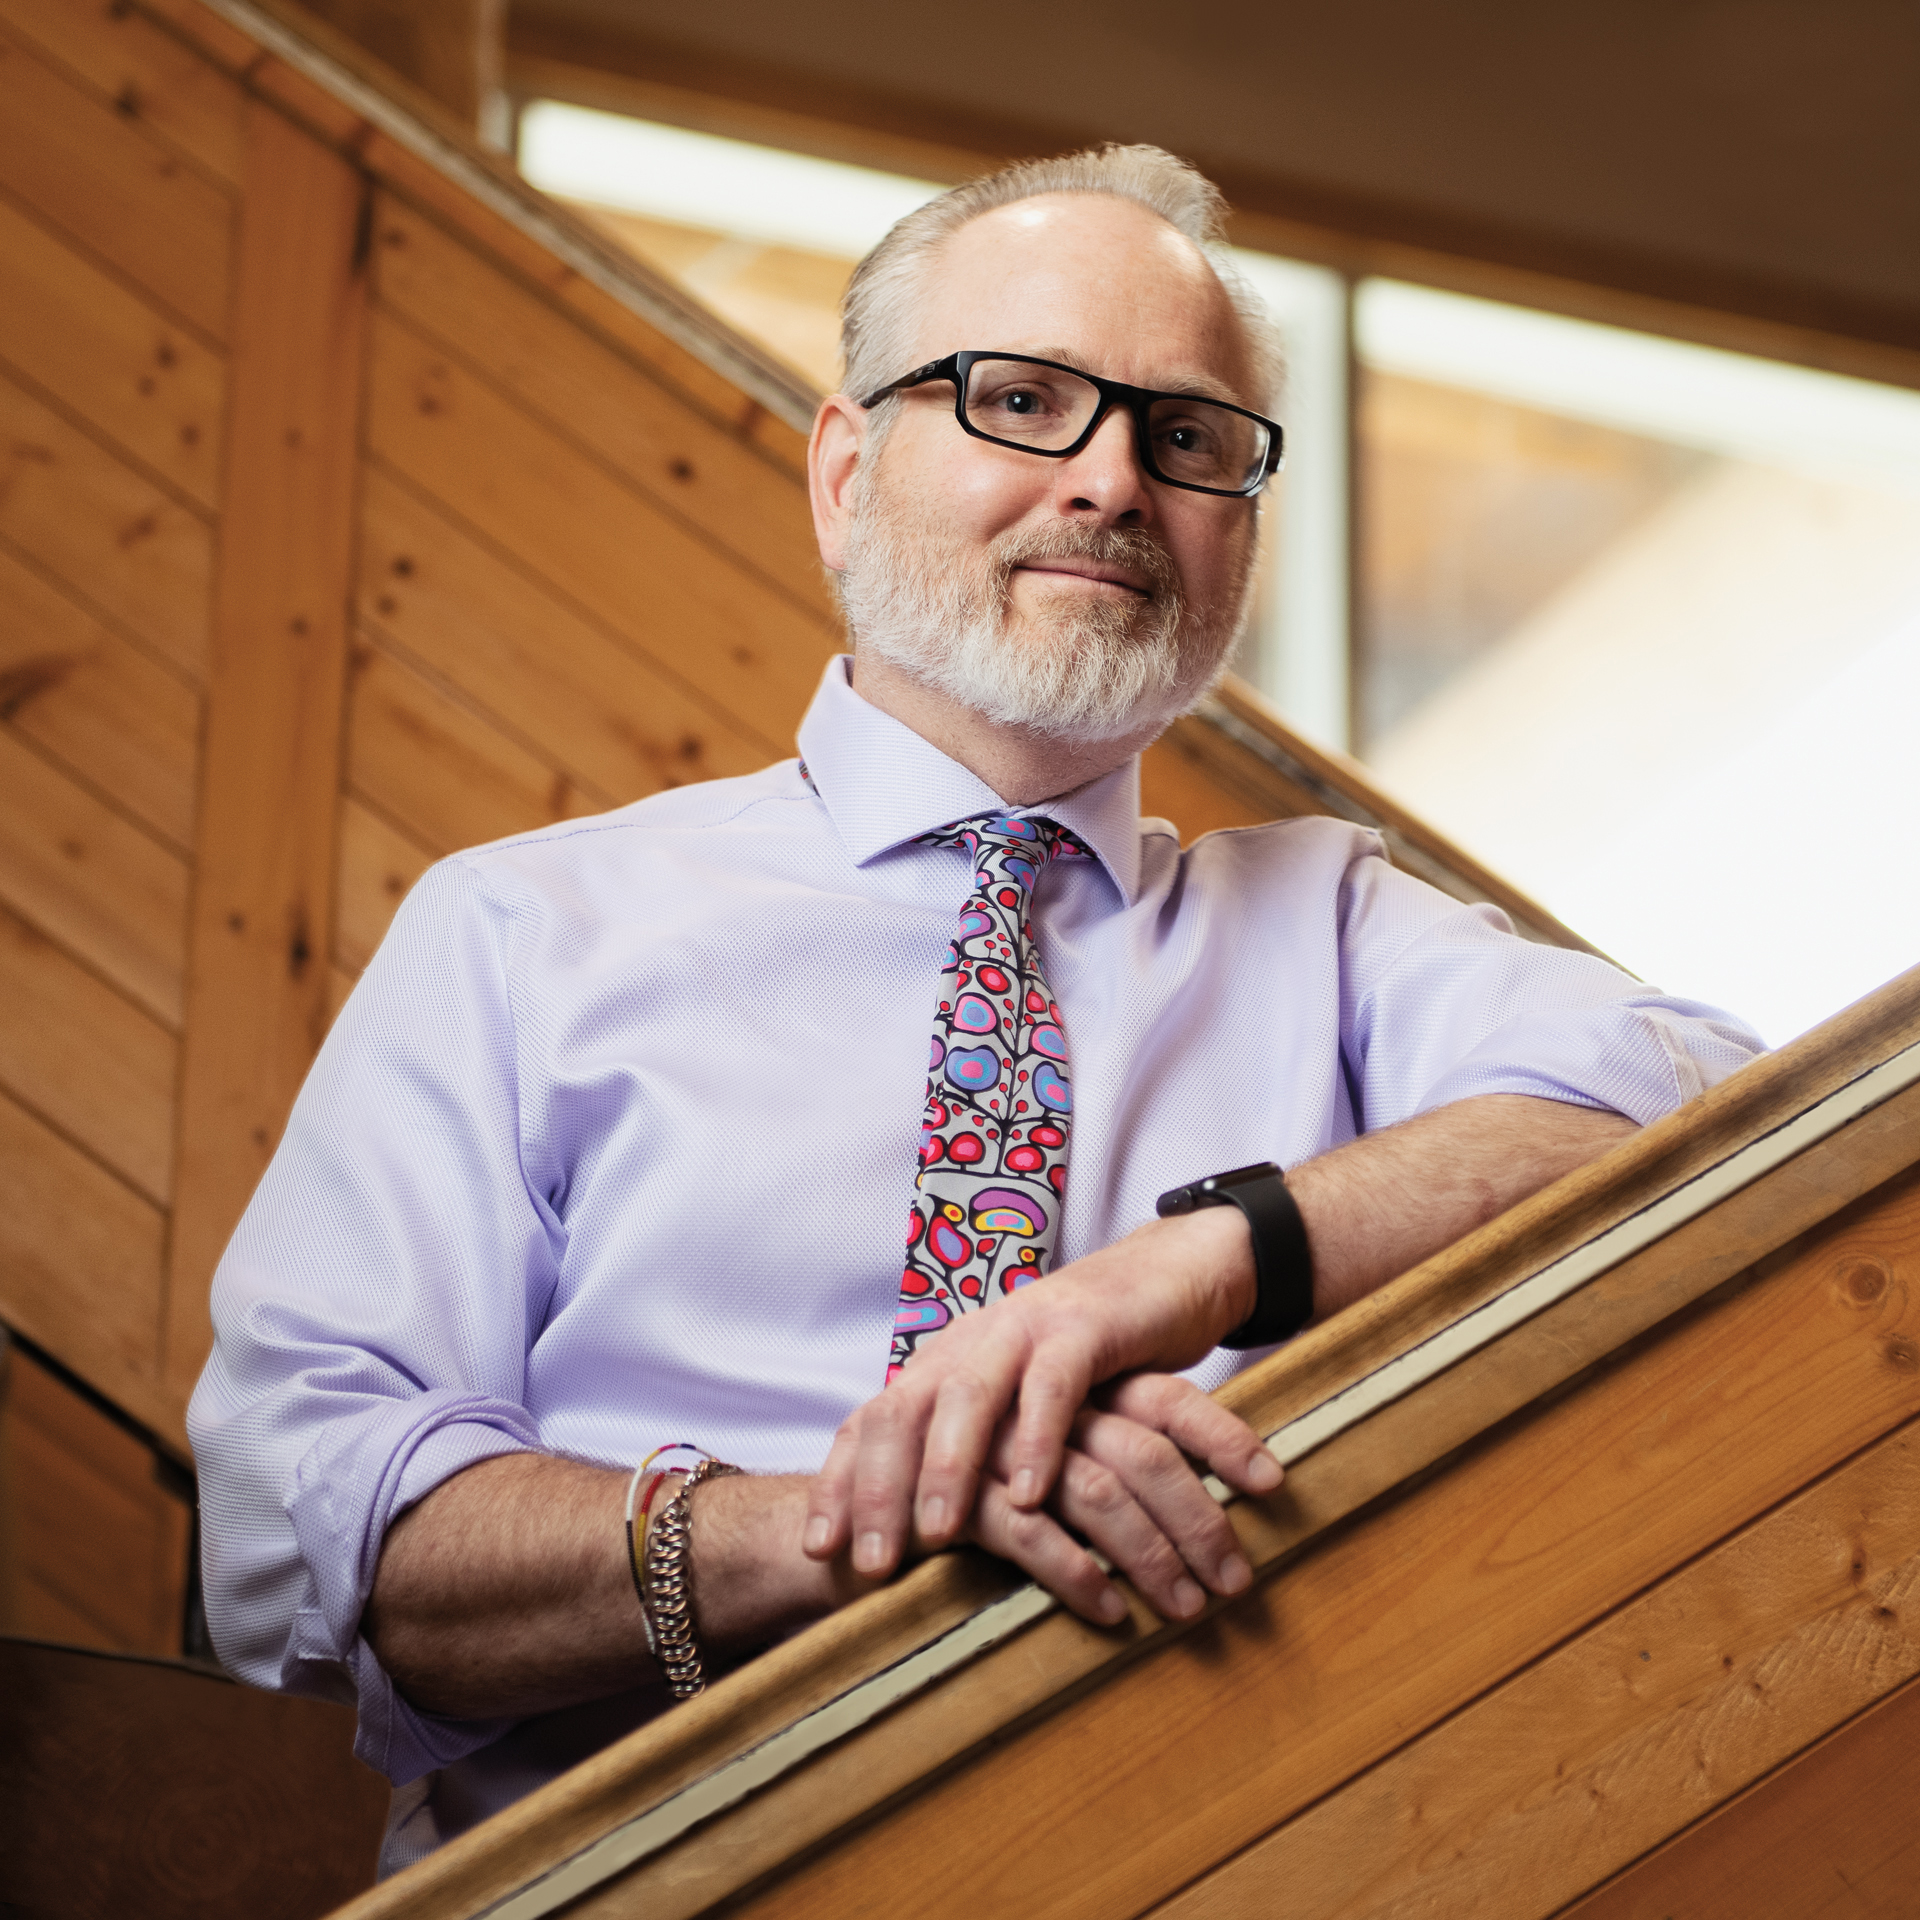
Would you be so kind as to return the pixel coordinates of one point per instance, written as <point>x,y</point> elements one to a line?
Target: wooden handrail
<point>1862,1069</point>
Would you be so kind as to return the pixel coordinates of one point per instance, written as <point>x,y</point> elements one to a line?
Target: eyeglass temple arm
<point>933,370</point>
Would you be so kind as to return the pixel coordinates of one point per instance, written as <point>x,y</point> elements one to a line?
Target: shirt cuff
<point>355,1480</point>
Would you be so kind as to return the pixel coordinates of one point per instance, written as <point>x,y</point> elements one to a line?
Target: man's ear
<point>833,458</point>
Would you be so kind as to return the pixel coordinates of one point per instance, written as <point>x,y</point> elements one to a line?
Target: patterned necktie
<point>993,1142</point>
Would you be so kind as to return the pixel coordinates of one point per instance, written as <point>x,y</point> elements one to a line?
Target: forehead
<point>1112,284</point>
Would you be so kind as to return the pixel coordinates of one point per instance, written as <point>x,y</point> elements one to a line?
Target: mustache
<point>1129,547</point>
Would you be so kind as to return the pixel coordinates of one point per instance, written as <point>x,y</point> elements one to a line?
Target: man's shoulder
<point>1271,853</point>
<point>662,824</point>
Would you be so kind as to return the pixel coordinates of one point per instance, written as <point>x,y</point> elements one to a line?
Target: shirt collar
<point>883,785</point>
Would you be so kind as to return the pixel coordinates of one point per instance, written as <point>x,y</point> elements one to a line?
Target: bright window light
<point>1725,403</point>
<point>700,180</point>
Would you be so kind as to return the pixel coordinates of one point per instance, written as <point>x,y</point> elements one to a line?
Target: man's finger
<point>1039,1545</point>
<point>830,1497</point>
<point>1052,1390</point>
<point>966,1412</point>
<point>1096,1502</point>
<point>1198,1425</point>
<point>1158,1476</point>
<point>886,1470</point>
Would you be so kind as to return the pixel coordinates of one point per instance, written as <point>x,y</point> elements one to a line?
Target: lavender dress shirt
<point>614,1141</point>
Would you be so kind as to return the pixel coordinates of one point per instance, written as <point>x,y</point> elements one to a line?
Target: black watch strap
<point>1282,1261</point>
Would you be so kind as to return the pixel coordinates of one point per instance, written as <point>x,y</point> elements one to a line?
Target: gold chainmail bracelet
<point>669,1584</point>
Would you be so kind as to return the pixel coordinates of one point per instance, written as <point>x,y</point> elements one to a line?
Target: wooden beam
<point>269,801</point>
<point>452,50</point>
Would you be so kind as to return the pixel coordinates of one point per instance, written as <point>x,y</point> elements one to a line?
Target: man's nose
<point>1105,479</point>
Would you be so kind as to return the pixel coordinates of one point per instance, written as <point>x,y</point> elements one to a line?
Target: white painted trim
<point>786,397</point>
<point>738,1779</point>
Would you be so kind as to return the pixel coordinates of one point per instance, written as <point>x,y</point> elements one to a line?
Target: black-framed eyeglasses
<point>1043,407</point>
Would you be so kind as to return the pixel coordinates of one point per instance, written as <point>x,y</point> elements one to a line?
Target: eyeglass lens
<point>1194,442</point>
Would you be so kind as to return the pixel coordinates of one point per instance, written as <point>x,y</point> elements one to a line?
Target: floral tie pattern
<point>993,1142</point>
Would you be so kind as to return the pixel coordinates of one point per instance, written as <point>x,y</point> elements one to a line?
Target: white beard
<point>1083,669</point>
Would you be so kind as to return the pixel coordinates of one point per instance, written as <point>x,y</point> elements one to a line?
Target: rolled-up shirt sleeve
<point>374,1313</point>
<point>1442,1003</point>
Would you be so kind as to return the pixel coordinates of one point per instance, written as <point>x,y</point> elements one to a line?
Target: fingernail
<point>1026,1490</point>
<point>1263,1472</point>
<point>1235,1575</point>
<point>814,1540</point>
<point>933,1517</point>
<point>1187,1598</point>
<point>1112,1609</point>
<point>869,1553</point>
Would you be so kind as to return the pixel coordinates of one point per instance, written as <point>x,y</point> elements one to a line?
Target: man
<point>614,1145</point>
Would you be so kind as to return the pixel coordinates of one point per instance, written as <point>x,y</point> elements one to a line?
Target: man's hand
<point>910,1463</point>
<point>1128,1491</point>
<point>1011,1380</point>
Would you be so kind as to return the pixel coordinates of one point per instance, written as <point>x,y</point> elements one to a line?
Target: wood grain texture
<point>698,380</point>
<point>165,1791</point>
<point>1177,784</point>
<point>1667,1708</point>
<point>591,538</point>
<point>103,709</point>
<point>80,1257</point>
<point>441,771</point>
<point>688,466</point>
<point>1830,1837</point>
<point>105,889</point>
<point>101,1543</point>
<point>1332,1484</point>
<point>144,383</point>
<point>378,866</point>
<point>576,692</point>
<point>147,75</point>
<point>113,539</point>
<point>275,702</point>
<point>1392,1623</point>
<point>123,194</point>
<point>86,1058</point>
<point>452,50</point>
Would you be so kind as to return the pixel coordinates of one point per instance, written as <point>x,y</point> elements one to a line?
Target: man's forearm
<point>507,1590</point>
<point>1386,1201</point>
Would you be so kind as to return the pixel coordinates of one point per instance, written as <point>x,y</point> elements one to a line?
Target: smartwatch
<point>1282,1261</point>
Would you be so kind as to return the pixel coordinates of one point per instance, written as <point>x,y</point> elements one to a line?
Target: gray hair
<point>879,311</point>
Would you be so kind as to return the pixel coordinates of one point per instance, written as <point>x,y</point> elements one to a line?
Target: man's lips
<point>1099,572</point>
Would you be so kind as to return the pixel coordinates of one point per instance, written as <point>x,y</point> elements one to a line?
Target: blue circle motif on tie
<point>974,1015</point>
<point>973,1069</point>
<point>1050,1088</point>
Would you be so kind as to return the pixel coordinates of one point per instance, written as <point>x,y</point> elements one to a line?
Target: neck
<point>1022,767</point>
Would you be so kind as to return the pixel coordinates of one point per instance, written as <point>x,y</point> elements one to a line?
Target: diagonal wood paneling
<point>574,686</point>
<point>105,889</point>
<point>86,1059</point>
<point>148,76</point>
<point>144,384</point>
<point>120,192</point>
<point>590,537</point>
<point>110,536</point>
<point>100,707</point>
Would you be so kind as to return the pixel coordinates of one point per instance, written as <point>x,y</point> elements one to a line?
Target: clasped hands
<point>1052,1421</point>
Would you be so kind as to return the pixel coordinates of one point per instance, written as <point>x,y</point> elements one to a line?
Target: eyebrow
<point>1199,386</point>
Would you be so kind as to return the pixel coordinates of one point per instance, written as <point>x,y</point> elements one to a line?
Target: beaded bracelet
<point>668,1587</point>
